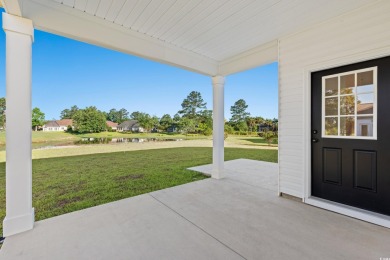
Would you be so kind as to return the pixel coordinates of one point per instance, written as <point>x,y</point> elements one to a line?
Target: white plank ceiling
<point>217,29</point>
<point>212,37</point>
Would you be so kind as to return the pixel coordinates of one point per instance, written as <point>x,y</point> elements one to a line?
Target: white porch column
<point>19,211</point>
<point>218,126</point>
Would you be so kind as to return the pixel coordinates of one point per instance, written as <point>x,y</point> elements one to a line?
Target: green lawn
<point>66,184</point>
<point>259,140</point>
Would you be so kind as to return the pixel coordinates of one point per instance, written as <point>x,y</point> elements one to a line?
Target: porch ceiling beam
<point>55,18</point>
<point>11,6</point>
<point>264,54</point>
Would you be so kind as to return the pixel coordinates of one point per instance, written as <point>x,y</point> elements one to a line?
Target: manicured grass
<point>259,140</point>
<point>250,140</point>
<point>66,184</point>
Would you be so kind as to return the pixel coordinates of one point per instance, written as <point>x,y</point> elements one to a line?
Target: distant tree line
<point>193,117</point>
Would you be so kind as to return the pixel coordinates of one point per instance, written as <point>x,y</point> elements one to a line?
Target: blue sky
<point>68,72</point>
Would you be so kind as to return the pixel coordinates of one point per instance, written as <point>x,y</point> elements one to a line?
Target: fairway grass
<point>65,184</point>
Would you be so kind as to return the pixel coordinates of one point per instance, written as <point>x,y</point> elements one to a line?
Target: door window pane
<point>365,104</point>
<point>365,89</point>
<point>347,84</point>
<point>347,126</point>
<point>331,126</point>
<point>332,86</point>
<point>365,126</point>
<point>365,78</point>
<point>331,106</point>
<point>347,105</point>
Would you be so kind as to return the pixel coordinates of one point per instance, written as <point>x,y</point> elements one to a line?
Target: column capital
<point>218,80</point>
<point>18,24</point>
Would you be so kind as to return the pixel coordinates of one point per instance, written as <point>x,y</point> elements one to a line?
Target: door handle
<point>314,140</point>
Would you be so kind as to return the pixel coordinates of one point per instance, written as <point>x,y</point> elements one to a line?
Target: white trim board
<point>365,215</point>
<point>341,208</point>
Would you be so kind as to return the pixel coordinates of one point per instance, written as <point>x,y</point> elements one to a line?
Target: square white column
<point>218,127</point>
<point>19,211</point>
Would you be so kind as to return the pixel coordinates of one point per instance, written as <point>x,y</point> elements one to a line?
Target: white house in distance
<point>130,125</point>
<point>332,56</point>
<point>57,125</point>
<point>113,125</point>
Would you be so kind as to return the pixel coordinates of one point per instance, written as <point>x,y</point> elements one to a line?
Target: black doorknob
<point>314,140</point>
<point>315,131</point>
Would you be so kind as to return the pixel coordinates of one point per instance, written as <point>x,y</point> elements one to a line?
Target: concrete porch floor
<point>239,217</point>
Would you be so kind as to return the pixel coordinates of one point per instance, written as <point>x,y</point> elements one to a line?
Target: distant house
<point>113,125</point>
<point>173,129</point>
<point>365,123</point>
<point>263,128</point>
<point>130,125</point>
<point>57,125</point>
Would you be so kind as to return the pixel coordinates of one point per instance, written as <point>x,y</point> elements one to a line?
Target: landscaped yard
<point>66,184</point>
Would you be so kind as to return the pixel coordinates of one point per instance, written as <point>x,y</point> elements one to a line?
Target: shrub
<point>269,136</point>
<point>229,129</point>
<point>69,129</point>
<point>208,132</point>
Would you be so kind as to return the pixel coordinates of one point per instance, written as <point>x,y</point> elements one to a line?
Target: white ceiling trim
<point>56,18</point>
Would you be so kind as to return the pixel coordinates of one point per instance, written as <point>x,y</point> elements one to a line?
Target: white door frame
<point>365,215</point>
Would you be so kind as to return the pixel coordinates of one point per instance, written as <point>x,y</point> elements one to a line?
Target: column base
<point>217,174</point>
<point>19,224</point>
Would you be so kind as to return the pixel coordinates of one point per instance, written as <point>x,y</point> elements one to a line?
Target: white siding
<point>357,33</point>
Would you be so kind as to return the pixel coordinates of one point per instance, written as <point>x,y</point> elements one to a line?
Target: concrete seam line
<point>177,213</point>
<point>251,185</point>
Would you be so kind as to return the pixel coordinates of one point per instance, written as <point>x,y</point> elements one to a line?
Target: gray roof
<point>129,124</point>
<point>52,123</point>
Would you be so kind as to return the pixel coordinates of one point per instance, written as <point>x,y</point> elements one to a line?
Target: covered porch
<point>238,217</point>
<point>234,214</point>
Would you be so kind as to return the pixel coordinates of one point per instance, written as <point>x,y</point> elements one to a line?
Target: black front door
<point>351,135</point>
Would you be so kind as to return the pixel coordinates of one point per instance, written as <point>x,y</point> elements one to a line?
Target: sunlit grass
<point>66,184</point>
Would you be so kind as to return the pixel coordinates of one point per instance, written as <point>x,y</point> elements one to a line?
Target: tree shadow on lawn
<point>260,141</point>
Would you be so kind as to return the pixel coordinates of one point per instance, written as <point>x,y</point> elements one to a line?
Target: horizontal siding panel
<point>290,140</point>
<point>293,180</point>
<point>291,192</point>
<point>297,145</point>
<point>296,99</point>
<point>357,32</point>
<point>291,133</point>
<point>291,171</point>
<point>293,149</point>
<point>294,171</point>
<point>290,165</point>
<point>289,185</point>
<point>292,111</point>
<point>289,126</point>
<point>290,121</point>
<point>290,157</point>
